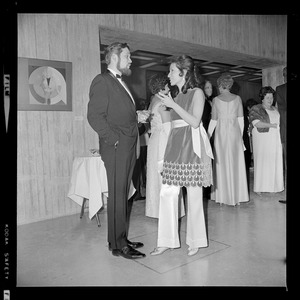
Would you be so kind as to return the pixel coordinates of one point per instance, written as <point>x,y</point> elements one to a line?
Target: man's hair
<point>116,48</point>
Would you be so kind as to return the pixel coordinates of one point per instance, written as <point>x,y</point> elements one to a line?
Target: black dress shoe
<point>135,245</point>
<point>128,252</point>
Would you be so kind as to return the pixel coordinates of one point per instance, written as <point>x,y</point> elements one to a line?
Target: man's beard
<point>124,71</point>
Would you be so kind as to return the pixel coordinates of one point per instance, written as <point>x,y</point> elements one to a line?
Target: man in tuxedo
<point>281,105</point>
<point>112,114</point>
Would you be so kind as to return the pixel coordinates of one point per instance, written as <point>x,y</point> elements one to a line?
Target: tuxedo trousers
<point>119,162</point>
<point>168,235</point>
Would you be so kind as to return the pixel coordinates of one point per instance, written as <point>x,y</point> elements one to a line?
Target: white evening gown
<point>267,156</point>
<point>156,147</point>
<point>229,171</point>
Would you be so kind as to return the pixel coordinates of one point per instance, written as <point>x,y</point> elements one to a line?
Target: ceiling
<point>160,62</point>
<point>153,52</point>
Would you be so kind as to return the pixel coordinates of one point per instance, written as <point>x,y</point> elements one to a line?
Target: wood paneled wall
<point>258,35</point>
<point>48,141</point>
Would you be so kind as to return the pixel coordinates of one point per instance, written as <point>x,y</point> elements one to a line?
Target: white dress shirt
<point>123,83</point>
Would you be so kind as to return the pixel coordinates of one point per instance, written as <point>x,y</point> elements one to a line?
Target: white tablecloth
<point>89,180</point>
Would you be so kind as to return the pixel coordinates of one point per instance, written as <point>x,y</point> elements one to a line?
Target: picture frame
<point>44,85</point>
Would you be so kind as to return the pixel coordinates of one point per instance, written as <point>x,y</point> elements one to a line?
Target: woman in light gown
<point>160,128</point>
<point>229,170</point>
<point>187,161</point>
<point>267,149</point>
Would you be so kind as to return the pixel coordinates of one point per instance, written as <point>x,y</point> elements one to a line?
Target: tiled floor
<point>247,247</point>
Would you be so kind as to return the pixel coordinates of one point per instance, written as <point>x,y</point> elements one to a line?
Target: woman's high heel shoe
<point>193,251</point>
<point>159,250</point>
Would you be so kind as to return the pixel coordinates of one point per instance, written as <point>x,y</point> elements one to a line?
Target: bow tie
<point>119,76</point>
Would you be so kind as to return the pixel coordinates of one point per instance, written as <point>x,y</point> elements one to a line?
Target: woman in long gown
<point>187,161</point>
<point>160,127</point>
<point>267,149</point>
<point>229,170</point>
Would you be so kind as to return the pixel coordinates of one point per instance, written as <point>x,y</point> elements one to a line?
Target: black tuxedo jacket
<point>111,112</point>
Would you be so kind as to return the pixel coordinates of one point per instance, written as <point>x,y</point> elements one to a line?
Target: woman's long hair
<point>192,78</point>
<point>214,91</point>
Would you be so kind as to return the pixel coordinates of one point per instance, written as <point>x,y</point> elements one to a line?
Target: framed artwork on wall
<point>44,84</point>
